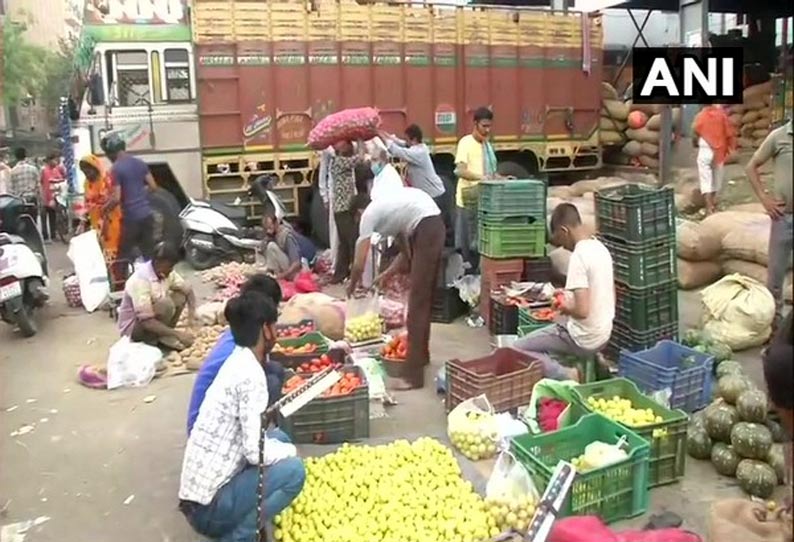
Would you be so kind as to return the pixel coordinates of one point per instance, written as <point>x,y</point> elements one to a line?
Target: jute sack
<point>689,198</point>
<point>643,135</point>
<point>756,90</point>
<point>736,108</point>
<point>610,137</point>
<point>616,109</point>
<point>750,243</point>
<point>648,109</point>
<point>693,244</point>
<point>648,161</point>
<point>563,192</point>
<point>605,123</point>
<point>760,133</point>
<point>632,148</point>
<point>744,142</point>
<point>765,113</point>
<point>608,92</point>
<point>580,188</point>
<point>650,149</point>
<point>736,119</point>
<point>757,272</point>
<point>742,520</point>
<point>762,122</point>
<point>757,102</point>
<point>750,117</point>
<point>697,274</point>
<point>720,224</point>
<point>655,122</point>
<point>747,208</point>
<point>327,313</point>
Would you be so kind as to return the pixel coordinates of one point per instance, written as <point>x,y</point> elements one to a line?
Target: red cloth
<point>714,126</point>
<point>592,529</point>
<point>50,175</point>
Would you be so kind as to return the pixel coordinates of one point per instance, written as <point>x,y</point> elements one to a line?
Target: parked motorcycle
<point>23,264</point>
<point>216,232</point>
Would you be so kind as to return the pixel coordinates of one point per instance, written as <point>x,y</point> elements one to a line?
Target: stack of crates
<point>637,225</point>
<point>512,219</point>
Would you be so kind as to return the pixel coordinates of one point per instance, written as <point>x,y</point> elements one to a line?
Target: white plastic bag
<point>90,269</point>
<point>131,364</point>
<point>738,311</point>
<point>469,289</point>
<point>509,481</point>
<point>473,429</point>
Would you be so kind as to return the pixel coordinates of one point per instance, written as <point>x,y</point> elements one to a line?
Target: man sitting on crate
<point>220,472</point>
<point>154,297</point>
<point>587,304</point>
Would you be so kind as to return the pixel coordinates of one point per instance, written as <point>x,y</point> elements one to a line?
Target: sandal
<point>93,378</point>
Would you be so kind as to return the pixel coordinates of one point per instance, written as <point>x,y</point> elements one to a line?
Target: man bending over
<point>218,486</point>
<point>587,308</point>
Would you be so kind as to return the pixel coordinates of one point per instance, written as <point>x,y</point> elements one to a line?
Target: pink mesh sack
<point>346,125</point>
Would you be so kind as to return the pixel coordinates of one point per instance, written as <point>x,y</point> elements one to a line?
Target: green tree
<point>25,64</point>
<point>59,77</point>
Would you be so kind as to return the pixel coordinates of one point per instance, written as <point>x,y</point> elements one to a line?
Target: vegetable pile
<point>349,383</point>
<point>396,349</point>
<point>229,277</point>
<point>736,434</point>
<point>549,411</point>
<point>193,356</point>
<point>543,315</point>
<point>308,348</point>
<point>317,364</point>
<point>346,125</point>
<point>623,411</point>
<point>294,331</point>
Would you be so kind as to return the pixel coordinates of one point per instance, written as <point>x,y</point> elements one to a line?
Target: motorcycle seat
<point>231,231</point>
<point>232,212</point>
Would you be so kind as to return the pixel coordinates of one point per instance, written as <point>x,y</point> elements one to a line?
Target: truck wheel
<point>199,259</point>
<point>167,226</point>
<point>513,169</point>
<point>24,319</point>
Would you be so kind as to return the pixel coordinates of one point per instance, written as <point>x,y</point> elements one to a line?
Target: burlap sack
<point>763,123</point>
<point>648,161</point>
<point>650,149</point>
<point>747,130</point>
<point>605,123</point>
<point>643,135</point>
<point>736,108</point>
<point>655,122</point>
<point>747,208</point>
<point>616,109</point>
<point>750,116</point>
<point>648,109</point>
<point>689,198</point>
<point>632,148</point>
<point>563,192</point>
<point>765,113</point>
<point>610,137</point>
<point>756,91</point>
<point>720,224</point>
<point>581,188</point>
<point>748,243</point>
<point>697,274</point>
<point>744,142</point>
<point>736,119</point>
<point>758,102</point>
<point>693,244</point>
<point>608,92</point>
<point>760,133</point>
<point>758,141</point>
<point>327,312</point>
<point>742,520</point>
<point>757,272</point>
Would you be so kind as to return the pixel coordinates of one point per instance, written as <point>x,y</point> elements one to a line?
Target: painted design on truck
<point>259,125</point>
<point>445,119</point>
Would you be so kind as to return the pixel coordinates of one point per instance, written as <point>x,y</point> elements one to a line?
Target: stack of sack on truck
<point>614,114</point>
<point>756,115</point>
<point>643,134</point>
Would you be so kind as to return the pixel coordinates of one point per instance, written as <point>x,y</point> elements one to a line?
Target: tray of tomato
<point>292,352</point>
<point>294,331</point>
<point>350,382</point>
<point>393,355</point>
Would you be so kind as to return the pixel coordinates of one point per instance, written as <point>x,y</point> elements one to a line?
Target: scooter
<point>23,265</point>
<point>215,232</point>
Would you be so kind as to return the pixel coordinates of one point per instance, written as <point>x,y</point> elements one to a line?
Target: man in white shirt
<point>218,486</point>
<point>588,302</point>
<point>412,217</point>
<point>386,178</point>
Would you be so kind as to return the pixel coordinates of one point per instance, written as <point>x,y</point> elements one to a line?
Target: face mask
<point>377,168</point>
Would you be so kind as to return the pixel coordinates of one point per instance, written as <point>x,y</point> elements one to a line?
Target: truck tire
<point>167,227</point>
<point>513,169</point>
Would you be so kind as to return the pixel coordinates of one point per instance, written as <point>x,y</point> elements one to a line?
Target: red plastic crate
<point>498,272</point>
<point>505,376</point>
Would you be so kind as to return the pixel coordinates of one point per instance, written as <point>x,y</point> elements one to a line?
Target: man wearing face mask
<point>386,178</point>
<point>587,304</point>
<point>218,486</point>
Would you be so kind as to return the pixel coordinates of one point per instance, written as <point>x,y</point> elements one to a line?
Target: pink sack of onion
<point>346,125</point>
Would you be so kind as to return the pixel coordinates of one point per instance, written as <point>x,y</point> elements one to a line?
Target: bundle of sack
<point>347,125</point>
<point>753,117</point>
<point>613,118</point>
<point>643,133</point>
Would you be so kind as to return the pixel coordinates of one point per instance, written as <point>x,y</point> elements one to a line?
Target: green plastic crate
<point>645,264</point>
<point>292,361</point>
<point>331,420</point>
<point>526,329</point>
<point>649,307</point>
<point>587,366</point>
<point>635,212</point>
<point>667,438</point>
<point>512,241</point>
<point>500,200</point>
<point>613,493</point>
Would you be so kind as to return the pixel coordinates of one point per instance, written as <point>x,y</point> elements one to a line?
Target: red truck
<point>267,71</point>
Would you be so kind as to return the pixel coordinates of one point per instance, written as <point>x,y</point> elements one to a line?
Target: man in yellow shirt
<point>475,161</point>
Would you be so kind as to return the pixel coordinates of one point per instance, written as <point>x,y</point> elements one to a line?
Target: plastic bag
<point>362,319</point>
<point>469,289</point>
<point>131,364</point>
<point>90,269</point>
<point>510,482</point>
<point>599,454</point>
<point>553,389</point>
<point>738,311</point>
<point>472,428</point>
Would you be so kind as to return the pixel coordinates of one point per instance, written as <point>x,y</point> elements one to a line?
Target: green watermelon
<point>777,461</point>
<point>698,443</point>
<point>732,386</point>
<point>720,351</point>
<point>751,440</point>
<point>724,459</point>
<point>778,434</point>
<point>728,367</point>
<point>756,478</point>
<point>720,419</point>
<point>752,406</point>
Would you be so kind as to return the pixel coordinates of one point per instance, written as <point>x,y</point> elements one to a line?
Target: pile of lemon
<point>622,410</point>
<point>400,492</point>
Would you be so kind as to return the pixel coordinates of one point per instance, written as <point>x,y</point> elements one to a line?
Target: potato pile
<point>204,340</point>
<point>229,277</point>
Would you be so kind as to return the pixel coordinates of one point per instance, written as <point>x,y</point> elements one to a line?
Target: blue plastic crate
<point>662,367</point>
